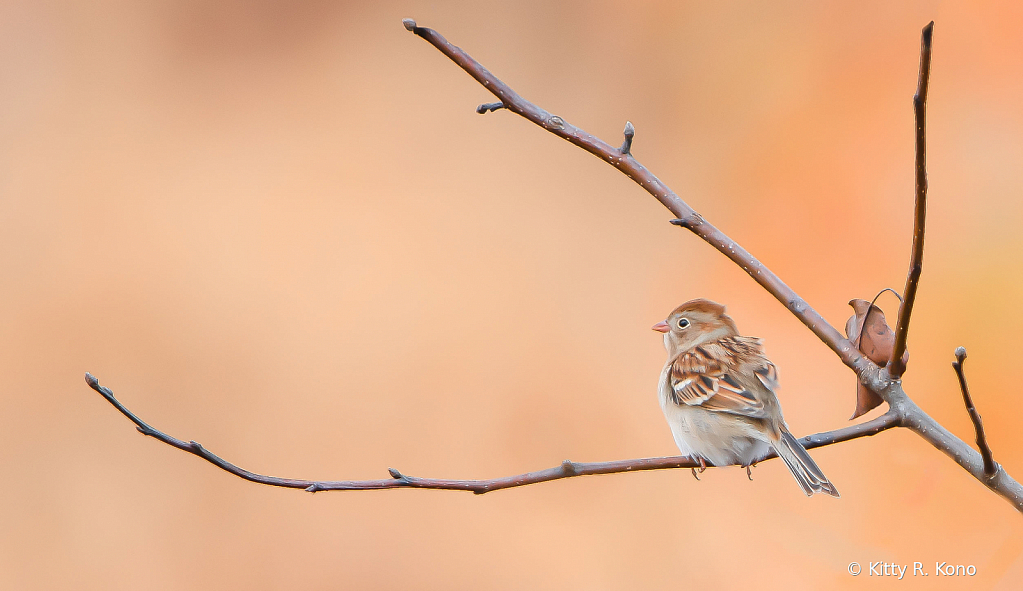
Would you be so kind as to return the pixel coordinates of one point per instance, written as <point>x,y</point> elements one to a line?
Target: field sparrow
<point>717,392</point>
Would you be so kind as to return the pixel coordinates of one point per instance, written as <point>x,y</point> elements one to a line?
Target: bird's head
<point>695,322</point>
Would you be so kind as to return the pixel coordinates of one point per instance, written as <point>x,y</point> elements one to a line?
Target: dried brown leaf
<point>876,343</point>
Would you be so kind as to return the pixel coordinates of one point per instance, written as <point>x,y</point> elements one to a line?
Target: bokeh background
<point>279,228</point>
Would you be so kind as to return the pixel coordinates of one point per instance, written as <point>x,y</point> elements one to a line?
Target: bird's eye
<point>683,322</point>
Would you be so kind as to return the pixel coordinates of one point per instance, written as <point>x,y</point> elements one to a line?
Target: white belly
<point>719,438</point>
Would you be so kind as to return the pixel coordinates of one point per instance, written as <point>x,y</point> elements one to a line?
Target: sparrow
<point>717,391</point>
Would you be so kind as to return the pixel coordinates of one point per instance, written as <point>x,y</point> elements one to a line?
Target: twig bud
<point>489,107</point>
<point>629,133</point>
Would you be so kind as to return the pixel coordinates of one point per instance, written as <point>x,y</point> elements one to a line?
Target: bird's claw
<point>703,468</point>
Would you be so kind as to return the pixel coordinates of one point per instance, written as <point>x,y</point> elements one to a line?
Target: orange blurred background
<point>279,228</point>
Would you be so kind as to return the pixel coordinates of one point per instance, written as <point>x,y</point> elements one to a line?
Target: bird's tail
<point>803,468</point>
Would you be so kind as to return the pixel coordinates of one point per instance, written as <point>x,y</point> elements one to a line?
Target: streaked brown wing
<point>702,376</point>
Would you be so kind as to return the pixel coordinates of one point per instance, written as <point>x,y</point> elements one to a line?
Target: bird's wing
<point>713,376</point>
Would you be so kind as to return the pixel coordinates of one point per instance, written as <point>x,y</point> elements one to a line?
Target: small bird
<point>717,392</point>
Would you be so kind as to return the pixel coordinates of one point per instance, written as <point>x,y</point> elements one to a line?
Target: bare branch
<point>685,215</point>
<point>567,469</point>
<point>903,411</point>
<point>990,467</point>
<point>896,366</point>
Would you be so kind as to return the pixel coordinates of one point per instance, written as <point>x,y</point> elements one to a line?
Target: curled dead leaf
<point>868,329</point>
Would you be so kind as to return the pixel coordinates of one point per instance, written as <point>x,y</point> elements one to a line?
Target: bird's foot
<point>703,467</point>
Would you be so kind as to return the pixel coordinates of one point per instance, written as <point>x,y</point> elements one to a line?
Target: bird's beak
<point>661,326</point>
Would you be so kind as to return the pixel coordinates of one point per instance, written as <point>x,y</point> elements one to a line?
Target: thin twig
<point>990,467</point>
<point>567,469</point>
<point>896,367</point>
<point>934,433</point>
<point>685,215</point>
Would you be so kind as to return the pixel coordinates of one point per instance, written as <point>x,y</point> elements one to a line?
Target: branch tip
<point>960,354</point>
<point>410,24</point>
<point>395,474</point>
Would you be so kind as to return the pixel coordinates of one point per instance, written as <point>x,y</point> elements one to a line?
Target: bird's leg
<point>703,466</point>
<point>749,473</point>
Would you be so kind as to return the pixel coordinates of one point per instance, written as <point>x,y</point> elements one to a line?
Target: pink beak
<point>661,326</point>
